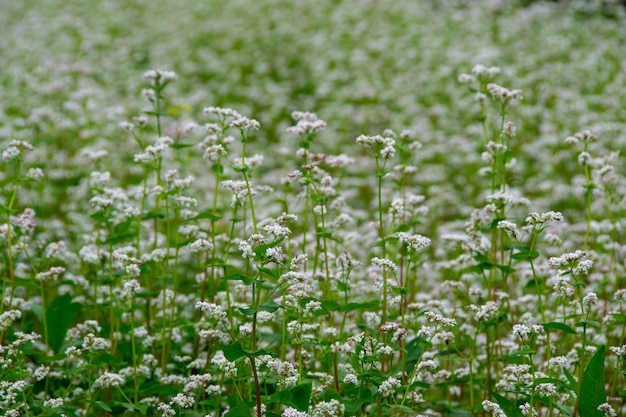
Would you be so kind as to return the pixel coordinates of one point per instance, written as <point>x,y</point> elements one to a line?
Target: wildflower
<point>15,148</point>
<point>493,408</point>
<point>607,410</point>
<point>385,264</point>
<point>166,410</point>
<point>414,242</point>
<point>108,379</point>
<point>159,77</point>
<point>439,319</point>
<point>182,401</point>
<point>503,95</point>
<point>213,311</point>
<point>567,259</point>
<point>509,228</point>
<point>590,299</point>
<point>201,245</point>
<point>52,274</point>
<point>332,408</point>
<point>386,388</point>
<point>35,174</point>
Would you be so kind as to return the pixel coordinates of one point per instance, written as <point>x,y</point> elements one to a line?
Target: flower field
<point>313,209</point>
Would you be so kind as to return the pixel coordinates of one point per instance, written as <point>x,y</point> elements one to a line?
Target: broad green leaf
<point>207,215</point>
<point>508,406</point>
<point>359,306</point>
<point>239,277</point>
<point>558,326</point>
<point>232,352</point>
<point>59,316</point>
<point>592,389</point>
<point>300,397</point>
<point>591,323</point>
<point>241,410</point>
<point>100,404</point>
<point>525,255</point>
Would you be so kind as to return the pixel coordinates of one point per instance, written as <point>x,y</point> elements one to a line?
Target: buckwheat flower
<point>219,360</point>
<point>108,379</point>
<point>127,126</point>
<point>351,379</point>
<point>213,311</point>
<point>493,408</point>
<point>620,295</point>
<point>385,264</point>
<point>94,343</point>
<point>130,288</point>
<point>332,408</point>
<point>246,250</point>
<point>242,123</point>
<point>35,174</point>
<point>503,95</point>
<point>8,317</point>
<point>201,245</point>
<point>158,77</point>
<point>320,209</point>
<point>558,362</point>
<point>292,412</point>
<point>187,202</point>
<point>439,319</point>
<point>566,259</point>
<point>443,338</point>
<point>546,390</point>
<point>509,228</point>
<point>51,275</point>
<point>15,148</point>
<point>166,410</point>
<point>521,330</point>
<point>214,152</point>
<point>540,218</point>
<point>388,387</point>
<point>583,267</point>
<point>525,409</point>
<point>53,403</point>
<point>388,152</point>
<point>589,300</point>
<point>277,230</point>
<point>245,329</point>
<point>149,94</point>
<point>414,242</point>
<point>582,136</point>
<point>465,79</point>
<point>584,159</point>
<point>607,409</point>
<point>485,312</point>
<point>182,401</point>
<point>509,129</point>
<point>100,203</point>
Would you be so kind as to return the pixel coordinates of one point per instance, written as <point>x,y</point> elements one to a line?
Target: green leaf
<point>525,255</point>
<point>558,326</point>
<point>591,323</point>
<point>573,385</point>
<point>330,305</point>
<point>508,406</point>
<point>592,389</point>
<point>239,277</point>
<point>232,352</point>
<point>241,410</point>
<point>269,306</point>
<point>180,145</point>
<point>100,404</point>
<point>300,397</point>
<point>207,215</point>
<point>359,306</point>
<point>122,232</point>
<point>20,282</point>
<point>59,316</point>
